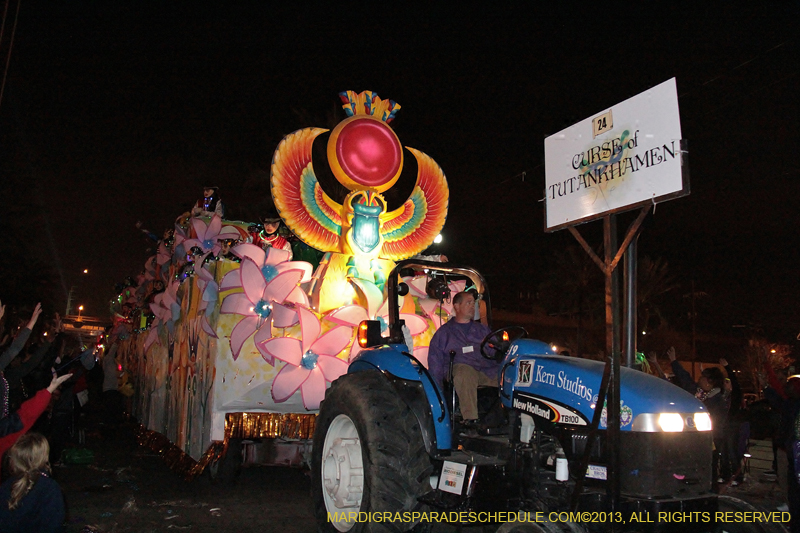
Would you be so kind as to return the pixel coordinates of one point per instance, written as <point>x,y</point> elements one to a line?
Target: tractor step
<point>470,458</point>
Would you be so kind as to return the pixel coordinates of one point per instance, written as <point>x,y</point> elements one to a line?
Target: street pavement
<point>127,488</point>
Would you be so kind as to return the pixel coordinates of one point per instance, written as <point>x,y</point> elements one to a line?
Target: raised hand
<point>671,354</point>
<point>57,381</point>
<point>35,316</point>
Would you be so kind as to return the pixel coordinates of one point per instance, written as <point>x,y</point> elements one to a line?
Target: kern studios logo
<point>525,374</point>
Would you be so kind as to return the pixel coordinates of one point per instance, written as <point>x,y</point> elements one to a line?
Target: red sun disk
<point>368,152</point>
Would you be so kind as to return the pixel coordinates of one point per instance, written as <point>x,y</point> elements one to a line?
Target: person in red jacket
<point>29,412</point>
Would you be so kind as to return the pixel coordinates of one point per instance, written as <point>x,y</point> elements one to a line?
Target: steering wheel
<point>495,341</point>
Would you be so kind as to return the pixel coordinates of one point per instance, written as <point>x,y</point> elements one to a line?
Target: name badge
<point>466,349</point>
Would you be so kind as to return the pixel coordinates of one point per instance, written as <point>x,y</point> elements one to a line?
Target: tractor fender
<point>415,387</point>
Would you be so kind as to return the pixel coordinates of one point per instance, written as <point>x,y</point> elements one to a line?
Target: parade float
<point>238,346</point>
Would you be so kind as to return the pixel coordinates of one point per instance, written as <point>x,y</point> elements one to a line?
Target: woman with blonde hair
<point>30,501</point>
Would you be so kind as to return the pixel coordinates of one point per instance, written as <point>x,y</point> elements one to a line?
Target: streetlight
<point>80,310</point>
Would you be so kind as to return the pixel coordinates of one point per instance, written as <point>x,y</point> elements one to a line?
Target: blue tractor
<point>389,455</point>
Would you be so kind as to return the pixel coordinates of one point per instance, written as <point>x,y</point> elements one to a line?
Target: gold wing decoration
<point>302,204</point>
<point>411,228</point>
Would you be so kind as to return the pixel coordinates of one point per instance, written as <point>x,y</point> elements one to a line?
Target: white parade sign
<point>618,159</point>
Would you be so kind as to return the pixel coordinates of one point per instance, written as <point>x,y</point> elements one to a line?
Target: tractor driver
<point>462,335</point>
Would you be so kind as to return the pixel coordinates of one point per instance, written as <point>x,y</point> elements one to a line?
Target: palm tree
<point>573,286</point>
<point>654,281</point>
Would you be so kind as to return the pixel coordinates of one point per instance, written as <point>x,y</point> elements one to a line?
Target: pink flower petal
<point>212,232</point>
<point>241,332</point>
<point>237,303</point>
<point>416,286</point>
<point>283,316</point>
<point>349,315</point>
<point>313,389</point>
<point>252,280</point>
<point>333,341</point>
<point>298,296</point>
<point>203,274</point>
<point>295,265</point>
<point>428,305</point>
<point>370,293</point>
<point>309,327</point>
<point>416,324</point>
<point>284,348</point>
<point>282,285</point>
<point>263,334</point>
<point>207,327</point>
<point>457,286</point>
<point>256,253</point>
<point>231,280</point>
<point>228,232</point>
<point>199,230</point>
<point>288,380</point>
<point>332,367</point>
<point>275,256</point>
<point>191,243</point>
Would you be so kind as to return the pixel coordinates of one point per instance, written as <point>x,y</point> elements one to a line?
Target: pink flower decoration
<point>257,301</point>
<point>311,362</point>
<point>167,311</point>
<point>210,291</point>
<point>353,315</point>
<point>209,234</point>
<point>421,354</point>
<point>272,263</point>
<point>438,312</point>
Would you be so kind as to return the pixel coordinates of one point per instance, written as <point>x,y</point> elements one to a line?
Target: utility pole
<point>69,300</point>
<point>694,329</point>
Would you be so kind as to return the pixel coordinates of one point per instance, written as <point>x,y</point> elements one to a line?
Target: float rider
<point>210,204</point>
<point>270,236</point>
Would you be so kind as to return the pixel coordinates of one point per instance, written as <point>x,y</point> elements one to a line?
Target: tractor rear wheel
<point>368,457</point>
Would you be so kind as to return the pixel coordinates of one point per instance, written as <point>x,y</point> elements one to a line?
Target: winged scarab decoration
<point>366,157</point>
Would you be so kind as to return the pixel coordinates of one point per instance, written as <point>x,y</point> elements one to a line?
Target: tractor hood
<point>563,390</point>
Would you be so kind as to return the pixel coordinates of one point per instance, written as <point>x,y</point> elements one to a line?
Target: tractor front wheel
<point>369,460</point>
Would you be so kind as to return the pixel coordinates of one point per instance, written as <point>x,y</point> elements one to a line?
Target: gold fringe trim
<point>269,425</point>
<point>238,426</point>
<point>175,458</point>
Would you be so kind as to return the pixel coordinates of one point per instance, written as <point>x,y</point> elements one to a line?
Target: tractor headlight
<point>702,421</point>
<point>670,422</point>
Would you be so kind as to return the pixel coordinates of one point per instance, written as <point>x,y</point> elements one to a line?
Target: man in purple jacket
<point>462,335</point>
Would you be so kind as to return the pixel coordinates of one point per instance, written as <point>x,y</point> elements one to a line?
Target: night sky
<point>115,113</point>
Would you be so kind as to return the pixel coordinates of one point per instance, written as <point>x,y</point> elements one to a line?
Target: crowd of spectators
<point>44,382</point>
